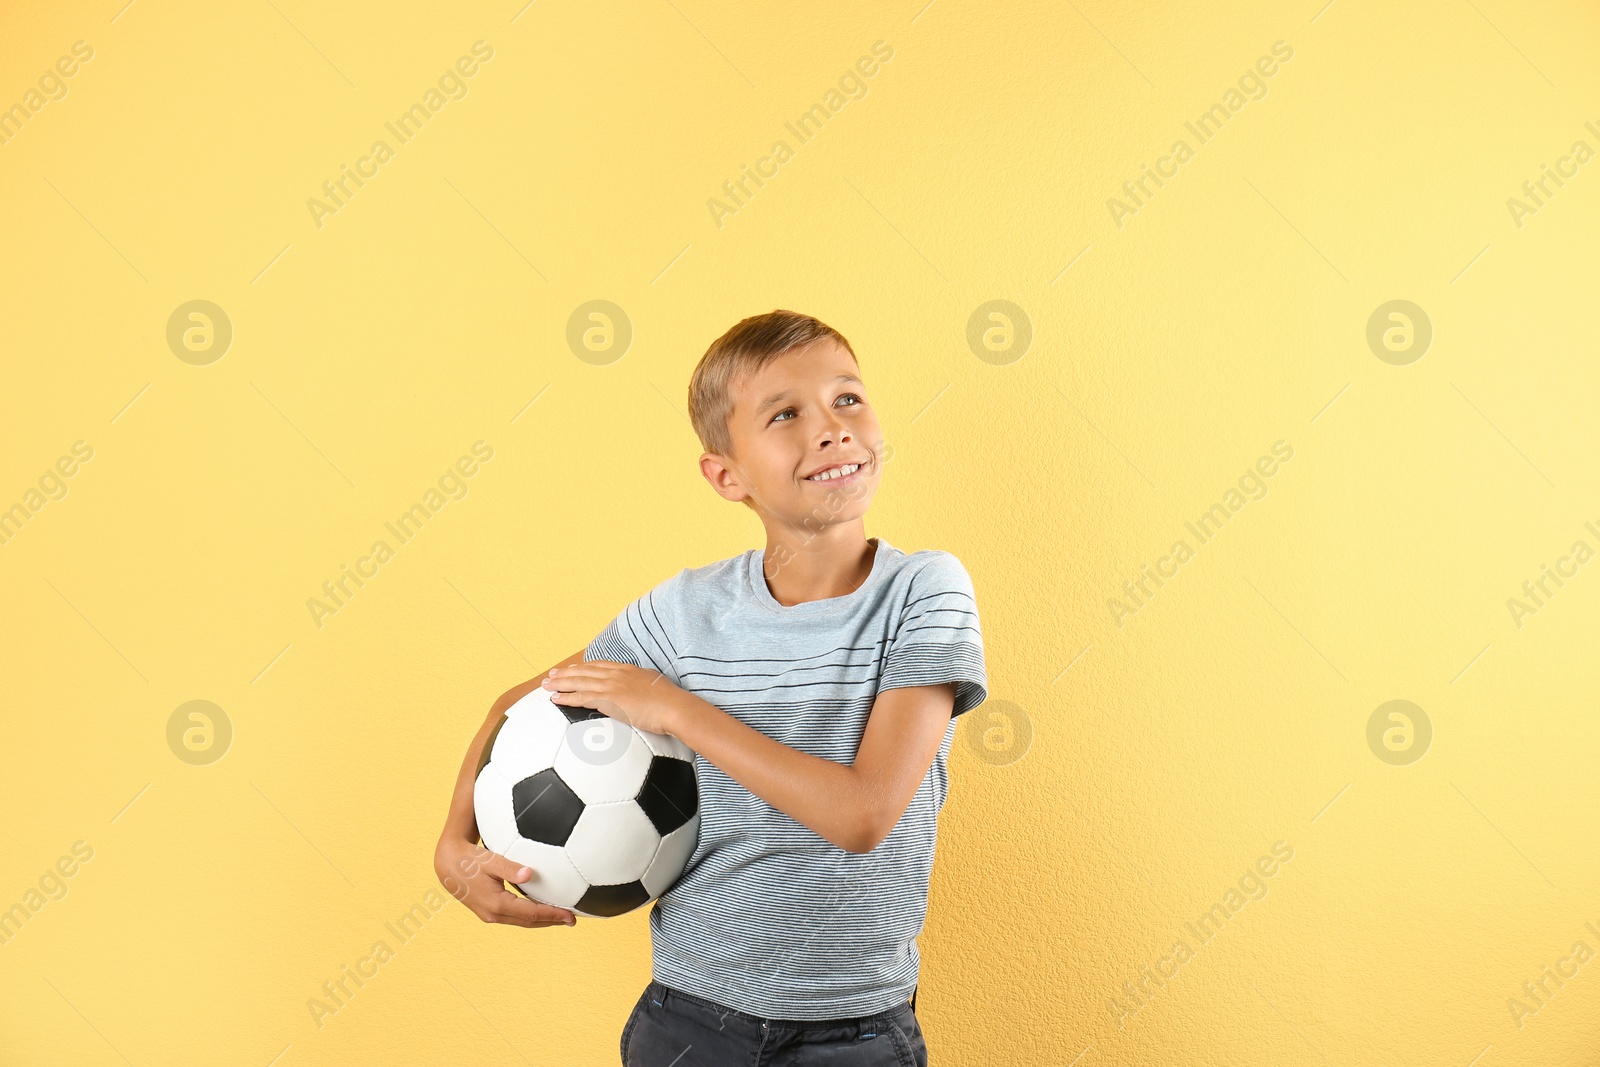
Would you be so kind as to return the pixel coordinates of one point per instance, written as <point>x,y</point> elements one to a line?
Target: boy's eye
<point>790,411</point>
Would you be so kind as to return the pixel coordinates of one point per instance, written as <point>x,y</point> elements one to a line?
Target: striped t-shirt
<point>769,917</point>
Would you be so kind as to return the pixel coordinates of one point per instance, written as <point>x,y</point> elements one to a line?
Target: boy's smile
<point>805,444</point>
<point>839,472</point>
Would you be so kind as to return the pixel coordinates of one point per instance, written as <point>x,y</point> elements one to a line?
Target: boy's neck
<point>810,565</point>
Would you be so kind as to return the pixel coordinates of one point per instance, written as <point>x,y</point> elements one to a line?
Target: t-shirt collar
<point>757,582</point>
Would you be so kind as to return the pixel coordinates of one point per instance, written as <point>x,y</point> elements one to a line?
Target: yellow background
<point>1150,764</point>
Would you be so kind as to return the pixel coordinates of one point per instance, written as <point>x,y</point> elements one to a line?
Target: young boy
<point>818,683</point>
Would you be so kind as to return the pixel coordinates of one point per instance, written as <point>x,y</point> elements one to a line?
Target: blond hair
<point>749,345</point>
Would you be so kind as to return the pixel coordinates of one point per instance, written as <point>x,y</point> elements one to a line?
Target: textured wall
<point>1390,882</point>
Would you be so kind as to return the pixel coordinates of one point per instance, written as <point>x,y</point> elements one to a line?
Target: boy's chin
<point>819,516</point>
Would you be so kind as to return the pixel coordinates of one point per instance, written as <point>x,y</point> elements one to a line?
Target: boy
<point>818,684</point>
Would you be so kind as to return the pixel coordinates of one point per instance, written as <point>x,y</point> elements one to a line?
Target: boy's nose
<point>834,430</point>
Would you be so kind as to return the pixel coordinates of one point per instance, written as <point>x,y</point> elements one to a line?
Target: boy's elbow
<point>869,834</point>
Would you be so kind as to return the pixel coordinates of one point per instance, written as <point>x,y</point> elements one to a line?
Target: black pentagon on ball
<point>609,900</point>
<point>575,714</point>
<point>669,795</point>
<point>546,808</point>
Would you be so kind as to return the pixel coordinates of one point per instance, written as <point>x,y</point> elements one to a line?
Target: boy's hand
<point>642,698</point>
<point>475,876</point>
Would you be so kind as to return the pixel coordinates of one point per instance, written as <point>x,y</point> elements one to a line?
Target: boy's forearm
<point>817,793</point>
<point>462,820</point>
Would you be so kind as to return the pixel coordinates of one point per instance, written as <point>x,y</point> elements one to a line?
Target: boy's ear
<point>722,476</point>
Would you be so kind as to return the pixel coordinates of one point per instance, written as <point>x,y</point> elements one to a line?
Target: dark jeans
<point>673,1029</point>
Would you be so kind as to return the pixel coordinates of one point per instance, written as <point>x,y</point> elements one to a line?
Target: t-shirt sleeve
<point>938,638</point>
<point>641,633</point>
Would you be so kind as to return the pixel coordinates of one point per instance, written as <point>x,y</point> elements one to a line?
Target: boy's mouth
<point>838,474</point>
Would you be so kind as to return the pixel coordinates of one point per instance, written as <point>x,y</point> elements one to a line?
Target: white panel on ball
<point>533,700</point>
<point>613,843</point>
<point>529,740</point>
<point>672,857</point>
<point>555,880</point>
<point>667,745</point>
<point>603,760</point>
<point>491,802</point>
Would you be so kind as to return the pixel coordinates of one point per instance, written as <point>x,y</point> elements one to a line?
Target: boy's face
<point>804,412</point>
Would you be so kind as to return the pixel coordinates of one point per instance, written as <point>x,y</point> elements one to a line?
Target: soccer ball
<point>606,816</point>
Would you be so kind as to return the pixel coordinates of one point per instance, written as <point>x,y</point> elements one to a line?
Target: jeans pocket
<point>908,1039</point>
<point>633,1020</point>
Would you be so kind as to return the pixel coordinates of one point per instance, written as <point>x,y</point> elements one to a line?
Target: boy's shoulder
<point>719,569</point>
<point>934,570</point>
<point>936,558</point>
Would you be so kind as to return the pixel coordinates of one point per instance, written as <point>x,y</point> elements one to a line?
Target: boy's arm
<point>472,874</point>
<point>854,806</point>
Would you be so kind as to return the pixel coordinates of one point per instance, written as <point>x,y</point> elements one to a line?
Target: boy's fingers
<point>512,920</point>
<point>529,912</point>
<point>593,669</point>
<point>505,869</point>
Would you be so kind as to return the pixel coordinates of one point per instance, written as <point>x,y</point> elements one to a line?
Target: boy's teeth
<point>837,472</point>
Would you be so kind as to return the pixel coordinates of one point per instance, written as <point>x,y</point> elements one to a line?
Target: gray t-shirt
<point>768,917</point>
